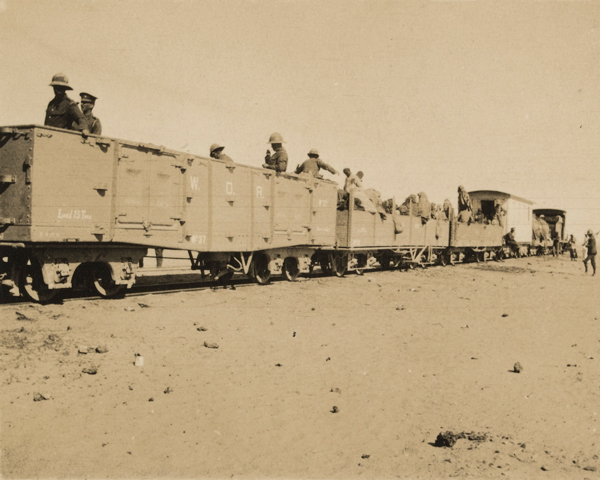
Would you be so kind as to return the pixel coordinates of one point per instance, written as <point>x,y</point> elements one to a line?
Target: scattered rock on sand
<point>449,438</point>
<point>83,350</point>
<point>518,368</point>
<point>335,409</point>
<point>211,345</point>
<point>168,390</point>
<point>201,329</point>
<point>38,397</point>
<point>22,316</point>
<point>590,469</point>
<point>335,390</point>
<point>101,349</point>
<point>90,370</point>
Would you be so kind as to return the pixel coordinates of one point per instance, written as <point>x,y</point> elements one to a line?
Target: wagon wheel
<point>31,283</point>
<point>104,283</point>
<point>339,264</point>
<point>290,269</point>
<point>260,269</point>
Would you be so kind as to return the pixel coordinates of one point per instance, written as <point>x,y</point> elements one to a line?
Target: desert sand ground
<point>321,378</point>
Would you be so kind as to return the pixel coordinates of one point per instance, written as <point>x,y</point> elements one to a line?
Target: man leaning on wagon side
<point>62,112</point>
<point>216,151</point>
<point>88,101</point>
<point>314,164</point>
<point>278,161</point>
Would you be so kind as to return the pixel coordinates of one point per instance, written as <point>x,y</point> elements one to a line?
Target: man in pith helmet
<point>278,161</point>
<point>62,112</point>
<point>216,151</point>
<point>314,164</point>
<point>88,101</point>
<point>590,243</point>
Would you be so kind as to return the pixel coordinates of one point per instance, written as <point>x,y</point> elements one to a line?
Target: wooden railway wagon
<point>73,208</point>
<point>365,239</point>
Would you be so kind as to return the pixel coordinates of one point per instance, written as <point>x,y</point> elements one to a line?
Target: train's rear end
<point>56,202</point>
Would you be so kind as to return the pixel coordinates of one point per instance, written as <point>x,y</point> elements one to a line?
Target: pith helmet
<point>60,80</point>
<point>314,151</point>
<point>216,146</point>
<point>87,97</point>
<point>590,232</point>
<point>276,138</point>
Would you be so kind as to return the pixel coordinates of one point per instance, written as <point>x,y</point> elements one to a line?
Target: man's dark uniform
<point>278,161</point>
<point>313,165</point>
<point>510,241</point>
<point>65,114</point>
<point>94,124</point>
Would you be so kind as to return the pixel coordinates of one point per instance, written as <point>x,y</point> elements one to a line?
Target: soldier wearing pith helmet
<point>88,101</point>
<point>314,164</point>
<point>62,112</point>
<point>216,151</point>
<point>278,161</point>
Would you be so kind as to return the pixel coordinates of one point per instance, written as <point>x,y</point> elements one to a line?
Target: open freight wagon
<point>76,209</point>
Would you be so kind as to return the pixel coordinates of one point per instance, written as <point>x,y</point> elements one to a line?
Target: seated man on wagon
<point>352,181</point>
<point>509,240</point>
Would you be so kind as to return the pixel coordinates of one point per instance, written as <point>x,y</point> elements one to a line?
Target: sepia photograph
<point>299,239</point>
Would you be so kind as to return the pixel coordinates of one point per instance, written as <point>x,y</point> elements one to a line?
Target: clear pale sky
<point>421,96</point>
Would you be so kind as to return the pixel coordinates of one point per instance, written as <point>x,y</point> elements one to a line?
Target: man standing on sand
<point>590,244</point>
<point>573,248</point>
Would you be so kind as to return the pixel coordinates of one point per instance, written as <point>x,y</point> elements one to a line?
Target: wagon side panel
<point>71,180</point>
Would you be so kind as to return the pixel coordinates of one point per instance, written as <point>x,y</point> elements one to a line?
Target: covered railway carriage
<point>516,213</point>
<point>74,208</point>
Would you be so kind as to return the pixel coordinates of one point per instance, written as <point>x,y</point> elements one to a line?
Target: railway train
<point>77,211</point>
